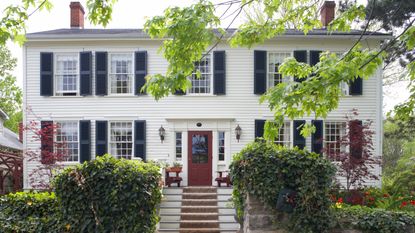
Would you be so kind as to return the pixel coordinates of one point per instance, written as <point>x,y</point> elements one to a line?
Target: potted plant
<point>176,167</point>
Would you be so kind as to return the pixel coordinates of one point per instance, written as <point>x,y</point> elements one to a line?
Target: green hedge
<point>264,169</point>
<point>29,212</point>
<point>372,220</point>
<point>109,195</point>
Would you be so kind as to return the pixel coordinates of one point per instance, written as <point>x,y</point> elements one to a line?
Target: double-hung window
<point>67,140</point>
<point>121,73</point>
<point>275,59</point>
<point>334,132</point>
<point>344,86</point>
<point>121,139</point>
<point>284,135</point>
<point>202,84</point>
<point>66,74</point>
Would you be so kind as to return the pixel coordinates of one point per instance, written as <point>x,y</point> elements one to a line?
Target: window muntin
<point>66,74</point>
<point>221,146</point>
<point>67,141</point>
<point>284,135</point>
<point>203,84</point>
<point>275,59</point>
<point>334,131</point>
<point>121,73</point>
<point>179,145</point>
<point>121,139</point>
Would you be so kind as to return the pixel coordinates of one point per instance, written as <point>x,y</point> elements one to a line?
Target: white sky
<point>133,14</point>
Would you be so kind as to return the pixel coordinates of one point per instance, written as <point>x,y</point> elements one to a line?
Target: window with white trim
<point>121,73</point>
<point>66,74</point>
<point>284,135</point>
<point>344,86</point>
<point>179,145</point>
<point>121,139</point>
<point>221,146</point>
<point>334,132</point>
<point>275,59</point>
<point>67,141</point>
<point>203,84</point>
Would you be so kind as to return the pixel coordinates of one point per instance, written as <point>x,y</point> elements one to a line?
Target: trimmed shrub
<point>264,169</point>
<point>29,212</point>
<point>109,195</point>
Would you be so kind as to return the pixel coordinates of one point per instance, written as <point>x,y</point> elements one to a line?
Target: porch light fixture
<point>238,132</point>
<point>162,133</point>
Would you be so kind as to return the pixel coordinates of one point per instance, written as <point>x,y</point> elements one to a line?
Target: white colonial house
<point>88,82</point>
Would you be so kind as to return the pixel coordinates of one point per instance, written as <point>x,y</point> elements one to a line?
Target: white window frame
<point>344,87</point>
<point>210,55</point>
<point>176,146</point>
<point>77,142</point>
<point>110,74</point>
<point>325,135</point>
<point>110,142</point>
<point>286,143</point>
<point>284,79</point>
<point>55,74</point>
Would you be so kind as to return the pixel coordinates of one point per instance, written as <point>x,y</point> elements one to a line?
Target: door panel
<point>200,158</point>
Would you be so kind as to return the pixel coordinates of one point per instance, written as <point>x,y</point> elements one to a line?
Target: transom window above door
<point>275,59</point>
<point>203,84</point>
<point>66,74</point>
<point>121,73</point>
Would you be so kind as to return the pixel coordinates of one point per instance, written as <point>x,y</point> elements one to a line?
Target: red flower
<point>385,195</point>
<point>340,200</point>
<point>412,202</point>
<point>367,193</point>
<point>403,204</point>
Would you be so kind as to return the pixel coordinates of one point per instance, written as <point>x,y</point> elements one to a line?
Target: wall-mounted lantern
<point>162,133</point>
<point>238,132</point>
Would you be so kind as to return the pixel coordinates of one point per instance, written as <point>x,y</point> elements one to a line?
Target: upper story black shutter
<point>84,141</point>
<point>260,72</point>
<point>355,137</point>
<point>101,73</point>
<point>101,138</point>
<point>86,73</point>
<point>299,140</point>
<point>180,92</point>
<point>219,73</point>
<point>259,128</point>
<point>317,137</point>
<point>314,57</point>
<point>46,74</point>
<point>356,86</point>
<point>300,56</point>
<point>140,71</point>
<point>140,139</point>
<point>46,142</point>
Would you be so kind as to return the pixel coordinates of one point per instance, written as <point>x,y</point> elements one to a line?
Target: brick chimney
<point>77,15</point>
<point>327,12</point>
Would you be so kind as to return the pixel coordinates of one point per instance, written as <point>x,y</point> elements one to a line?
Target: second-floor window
<point>66,74</point>
<point>121,73</point>
<point>121,139</point>
<point>203,84</point>
<point>275,59</point>
<point>66,140</point>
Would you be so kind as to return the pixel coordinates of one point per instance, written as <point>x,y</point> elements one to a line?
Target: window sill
<point>199,95</point>
<point>67,96</point>
<point>69,163</point>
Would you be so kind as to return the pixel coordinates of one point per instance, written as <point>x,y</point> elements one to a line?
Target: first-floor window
<point>202,84</point>
<point>221,146</point>
<point>66,74</point>
<point>121,73</point>
<point>178,145</point>
<point>66,140</point>
<point>121,139</point>
<point>275,59</point>
<point>334,132</point>
<point>284,135</point>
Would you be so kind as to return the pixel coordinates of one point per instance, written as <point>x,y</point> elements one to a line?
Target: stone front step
<point>179,197</point>
<point>196,202</point>
<point>199,224</point>
<point>224,226</point>
<point>179,191</point>
<point>199,190</point>
<point>176,210</point>
<point>197,216</point>
<point>199,209</point>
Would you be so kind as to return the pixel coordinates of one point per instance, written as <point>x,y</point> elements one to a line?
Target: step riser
<point>199,203</point>
<point>228,211</point>
<point>222,218</point>
<point>199,196</point>
<point>199,190</point>
<point>199,217</point>
<point>199,225</point>
<point>199,231</point>
<point>206,209</point>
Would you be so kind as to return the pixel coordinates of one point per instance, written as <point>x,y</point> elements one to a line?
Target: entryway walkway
<point>196,210</point>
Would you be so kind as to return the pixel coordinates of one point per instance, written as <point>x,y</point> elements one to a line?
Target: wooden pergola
<point>11,165</point>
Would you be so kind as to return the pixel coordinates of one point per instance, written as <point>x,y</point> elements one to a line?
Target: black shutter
<point>219,73</point>
<point>140,139</point>
<point>260,72</point>
<point>314,57</point>
<point>317,136</point>
<point>101,145</point>
<point>259,128</point>
<point>46,74</point>
<point>299,140</point>
<point>86,73</point>
<point>356,86</point>
<point>355,137</point>
<point>85,141</point>
<point>140,71</point>
<point>46,142</point>
<point>101,73</point>
<point>300,56</point>
<point>180,92</point>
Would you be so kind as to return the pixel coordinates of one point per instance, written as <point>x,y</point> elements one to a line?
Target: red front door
<point>200,158</point>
